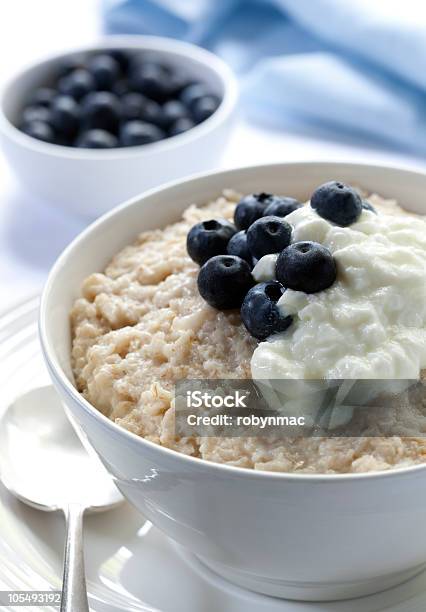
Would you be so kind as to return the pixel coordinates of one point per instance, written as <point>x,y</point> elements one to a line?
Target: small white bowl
<point>313,537</point>
<point>90,182</point>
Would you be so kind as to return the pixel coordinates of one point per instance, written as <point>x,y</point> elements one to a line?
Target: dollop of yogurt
<point>371,323</point>
<point>264,270</point>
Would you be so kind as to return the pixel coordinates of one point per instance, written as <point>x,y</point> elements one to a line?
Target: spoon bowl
<point>45,464</point>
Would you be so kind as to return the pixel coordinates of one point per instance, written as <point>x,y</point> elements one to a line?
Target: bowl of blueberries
<point>88,129</point>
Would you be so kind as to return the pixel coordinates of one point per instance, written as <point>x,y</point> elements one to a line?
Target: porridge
<point>143,324</point>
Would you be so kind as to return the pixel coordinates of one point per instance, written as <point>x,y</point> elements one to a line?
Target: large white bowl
<point>297,536</point>
<point>90,182</point>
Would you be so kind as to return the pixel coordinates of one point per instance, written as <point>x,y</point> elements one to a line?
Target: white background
<point>32,234</point>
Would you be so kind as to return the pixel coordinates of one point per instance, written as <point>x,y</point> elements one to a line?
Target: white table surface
<point>32,234</point>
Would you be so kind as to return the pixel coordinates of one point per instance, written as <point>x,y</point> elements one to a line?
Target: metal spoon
<point>45,465</point>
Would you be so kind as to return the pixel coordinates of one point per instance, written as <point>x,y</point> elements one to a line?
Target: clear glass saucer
<point>130,564</point>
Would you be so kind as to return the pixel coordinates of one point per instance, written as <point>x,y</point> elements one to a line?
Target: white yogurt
<point>264,270</point>
<point>371,323</point>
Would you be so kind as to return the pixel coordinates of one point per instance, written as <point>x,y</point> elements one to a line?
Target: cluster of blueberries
<point>113,99</point>
<point>227,253</point>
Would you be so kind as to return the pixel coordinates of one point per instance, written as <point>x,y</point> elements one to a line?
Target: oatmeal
<point>142,325</point>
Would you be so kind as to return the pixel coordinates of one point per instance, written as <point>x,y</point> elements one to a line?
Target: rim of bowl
<point>178,48</point>
<point>203,464</point>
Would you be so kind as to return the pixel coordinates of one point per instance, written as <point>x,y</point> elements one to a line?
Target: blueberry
<point>135,106</point>
<point>97,139</point>
<point>131,104</point>
<point>193,93</point>
<point>77,84</point>
<point>36,113</point>
<point>101,110</point>
<point>180,126</point>
<point>172,111</point>
<point>176,83</point>
<point>134,133</point>
<point>268,235</point>
<point>209,238</point>
<point>122,57</point>
<point>306,266</point>
<point>121,88</point>
<point>40,130</point>
<point>281,206</point>
<point>250,208</point>
<point>223,281</point>
<point>65,115</point>
<point>367,206</point>
<point>69,65</point>
<point>43,96</point>
<point>337,202</point>
<point>136,61</point>
<point>105,70</point>
<point>260,313</point>
<point>203,108</point>
<point>152,113</point>
<point>151,80</point>
<point>238,246</point>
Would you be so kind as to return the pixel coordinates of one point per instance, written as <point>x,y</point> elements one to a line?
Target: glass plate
<point>130,565</point>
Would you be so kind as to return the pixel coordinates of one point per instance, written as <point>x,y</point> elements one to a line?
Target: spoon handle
<point>74,591</point>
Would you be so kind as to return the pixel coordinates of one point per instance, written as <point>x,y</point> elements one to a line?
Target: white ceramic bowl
<point>298,536</point>
<point>90,182</point>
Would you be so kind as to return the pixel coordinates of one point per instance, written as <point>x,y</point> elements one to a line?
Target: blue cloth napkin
<point>354,68</point>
